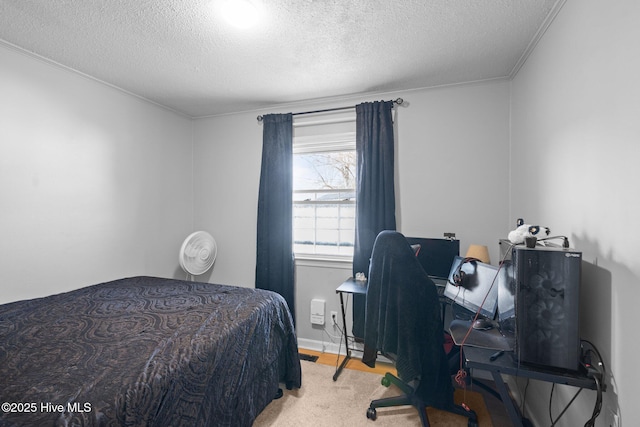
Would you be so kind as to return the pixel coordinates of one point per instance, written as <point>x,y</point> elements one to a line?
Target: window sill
<point>324,261</point>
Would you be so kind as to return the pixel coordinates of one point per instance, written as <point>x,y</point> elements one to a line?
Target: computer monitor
<point>507,298</point>
<point>435,255</point>
<point>475,289</point>
<point>506,292</point>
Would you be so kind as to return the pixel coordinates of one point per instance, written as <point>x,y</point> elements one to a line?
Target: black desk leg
<point>514,413</point>
<point>346,341</point>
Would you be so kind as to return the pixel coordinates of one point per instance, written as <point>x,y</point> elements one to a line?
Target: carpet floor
<point>324,402</point>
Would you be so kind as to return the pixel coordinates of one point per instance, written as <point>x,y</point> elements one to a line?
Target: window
<point>324,203</point>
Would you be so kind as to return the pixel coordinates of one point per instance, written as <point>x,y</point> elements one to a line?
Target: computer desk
<point>349,286</point>
<point>353,286</point>
<point>480,358</point>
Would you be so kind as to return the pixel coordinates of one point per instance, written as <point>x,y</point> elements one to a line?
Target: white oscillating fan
<point>197,254</point>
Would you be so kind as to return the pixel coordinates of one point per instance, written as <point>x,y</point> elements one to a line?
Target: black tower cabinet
<point>547,300</point>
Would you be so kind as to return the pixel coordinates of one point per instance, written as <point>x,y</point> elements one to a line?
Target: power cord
<point>565,240</point>
<point>597,372</point>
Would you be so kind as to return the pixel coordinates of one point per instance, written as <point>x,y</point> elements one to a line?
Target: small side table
<point>349,286</point>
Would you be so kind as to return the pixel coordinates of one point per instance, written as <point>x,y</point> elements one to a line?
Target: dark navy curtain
<point>375,193</point>
<point>274,257</point>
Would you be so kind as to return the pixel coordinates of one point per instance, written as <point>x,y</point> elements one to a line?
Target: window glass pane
<point>324,202</point>
<point>332,170</point>
<point>331,223</point>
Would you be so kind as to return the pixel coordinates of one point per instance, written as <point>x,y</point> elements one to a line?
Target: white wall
<point>453,163</point>
<point>452,157</point>
<point>226,173</point>
<point>95,184</point>
<point>575,133</point>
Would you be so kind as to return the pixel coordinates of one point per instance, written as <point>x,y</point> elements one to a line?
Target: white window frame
<point>334,142</point>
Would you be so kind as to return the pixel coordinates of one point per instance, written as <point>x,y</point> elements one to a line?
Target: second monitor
<point>471,285</point>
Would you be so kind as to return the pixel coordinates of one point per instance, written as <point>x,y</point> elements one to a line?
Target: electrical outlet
<point>334,318</point>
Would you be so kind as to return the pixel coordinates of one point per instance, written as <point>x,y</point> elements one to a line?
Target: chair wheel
<point>385,381</point>
<point>472,423</point>
<point>371,414</point>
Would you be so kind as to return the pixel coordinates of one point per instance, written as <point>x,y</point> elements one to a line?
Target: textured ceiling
<point>183,55</point>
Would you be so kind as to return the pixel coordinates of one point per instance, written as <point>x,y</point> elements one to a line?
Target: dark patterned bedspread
<point>145,351</point>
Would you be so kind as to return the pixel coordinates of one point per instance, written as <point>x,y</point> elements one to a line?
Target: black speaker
<point>547,300</point>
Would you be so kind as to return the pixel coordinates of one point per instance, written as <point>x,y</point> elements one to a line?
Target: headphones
<point>459,276</point>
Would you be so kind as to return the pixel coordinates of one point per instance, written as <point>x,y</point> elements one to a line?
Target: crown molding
<point>537,37</point>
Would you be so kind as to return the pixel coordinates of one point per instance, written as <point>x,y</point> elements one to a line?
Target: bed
<point>145,351</point>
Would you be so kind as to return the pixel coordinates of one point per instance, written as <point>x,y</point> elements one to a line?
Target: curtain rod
<point>397,101</point>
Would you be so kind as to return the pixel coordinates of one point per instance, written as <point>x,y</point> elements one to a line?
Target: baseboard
<point>321,346</point>
<point>333,348</point>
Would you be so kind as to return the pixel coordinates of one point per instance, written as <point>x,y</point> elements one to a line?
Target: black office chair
<point>403,322</point>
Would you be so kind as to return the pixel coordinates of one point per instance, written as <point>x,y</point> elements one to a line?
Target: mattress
<point>145,351</point>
